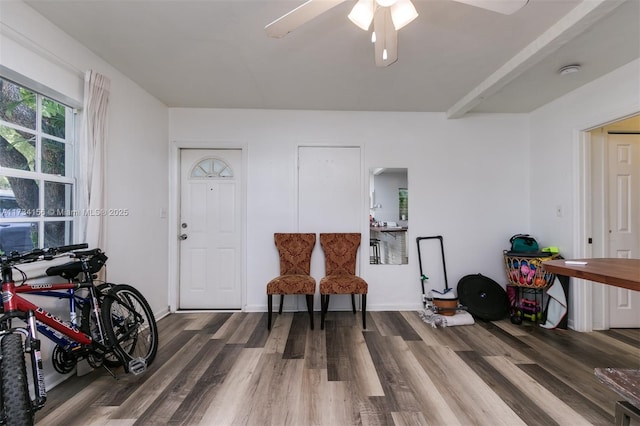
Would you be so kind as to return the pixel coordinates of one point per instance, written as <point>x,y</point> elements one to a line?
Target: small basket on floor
<point>527,271</point>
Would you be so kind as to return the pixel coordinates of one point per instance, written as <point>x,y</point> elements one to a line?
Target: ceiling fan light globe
<point>386,3</point>
<point>402,13</point>
<point>362,14</point>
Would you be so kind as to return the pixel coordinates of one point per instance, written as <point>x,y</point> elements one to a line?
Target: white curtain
<point>92,158</point>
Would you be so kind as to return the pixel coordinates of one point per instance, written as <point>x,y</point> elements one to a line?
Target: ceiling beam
<point>299,16</point>
<point>571,25</point>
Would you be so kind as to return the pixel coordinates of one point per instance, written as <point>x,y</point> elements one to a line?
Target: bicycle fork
<point>32,346</point>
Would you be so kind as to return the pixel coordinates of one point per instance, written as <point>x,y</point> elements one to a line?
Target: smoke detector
<point>569,69</point>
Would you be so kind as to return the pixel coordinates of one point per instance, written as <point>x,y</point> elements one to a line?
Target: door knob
<point>182,237</point>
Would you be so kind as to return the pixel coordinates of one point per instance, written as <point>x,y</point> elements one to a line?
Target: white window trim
<point>72,140</point>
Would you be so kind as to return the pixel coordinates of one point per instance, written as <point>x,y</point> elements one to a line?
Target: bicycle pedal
<point>137,366</point>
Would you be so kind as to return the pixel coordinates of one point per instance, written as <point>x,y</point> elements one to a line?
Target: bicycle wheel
<point>110,359</point>
<point>129,324</point>
<point>15,390</point>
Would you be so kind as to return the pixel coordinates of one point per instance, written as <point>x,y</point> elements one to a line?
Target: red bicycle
<point>109,325</point>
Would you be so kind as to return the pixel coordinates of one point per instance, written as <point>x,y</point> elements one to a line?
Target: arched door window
<point>211,168</point>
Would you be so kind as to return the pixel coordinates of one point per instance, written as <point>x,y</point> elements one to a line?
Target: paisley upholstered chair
<point>295,251</point>
<point>340,254</point>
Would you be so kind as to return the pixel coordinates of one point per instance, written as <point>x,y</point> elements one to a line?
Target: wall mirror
<point>388,216</point>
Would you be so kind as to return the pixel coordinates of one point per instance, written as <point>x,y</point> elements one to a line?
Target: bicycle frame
<point>23,305</point>
<point>74,301</point>
<point>38,319</point>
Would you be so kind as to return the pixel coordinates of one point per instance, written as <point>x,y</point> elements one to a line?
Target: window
<point>211,167</point>
<point>37,180</point>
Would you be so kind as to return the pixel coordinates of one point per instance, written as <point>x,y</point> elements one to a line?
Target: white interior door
<point>624,222</point>
<point>329,200</point>
<point>210,212</point>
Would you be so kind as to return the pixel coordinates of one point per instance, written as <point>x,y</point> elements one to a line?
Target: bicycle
<point>110,325</point>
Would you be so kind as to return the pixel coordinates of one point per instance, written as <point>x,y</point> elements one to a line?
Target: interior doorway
<point>615,215</point>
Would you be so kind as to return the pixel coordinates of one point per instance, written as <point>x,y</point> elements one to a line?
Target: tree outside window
<point>36,170</point>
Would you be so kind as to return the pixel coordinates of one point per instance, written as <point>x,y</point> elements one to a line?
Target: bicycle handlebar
<point>38,254</point>
<point>86,253</point>
<point>72,247</point>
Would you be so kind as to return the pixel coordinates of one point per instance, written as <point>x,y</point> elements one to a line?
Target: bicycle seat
<point>67,270</point>
<point>72,269</point>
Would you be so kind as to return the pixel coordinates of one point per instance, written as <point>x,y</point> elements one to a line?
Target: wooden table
<point>623,273</point>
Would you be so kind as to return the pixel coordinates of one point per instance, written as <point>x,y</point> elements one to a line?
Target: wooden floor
<point>225,369</point>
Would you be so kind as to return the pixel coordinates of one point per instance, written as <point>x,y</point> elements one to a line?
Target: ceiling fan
<point>388,16</point>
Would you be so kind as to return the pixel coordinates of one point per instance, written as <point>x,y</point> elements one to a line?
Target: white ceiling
<point>453,58</point>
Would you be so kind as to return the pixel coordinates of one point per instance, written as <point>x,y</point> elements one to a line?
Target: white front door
<point>329,200</point>
<point>624,222</point>
<point>210,212</point>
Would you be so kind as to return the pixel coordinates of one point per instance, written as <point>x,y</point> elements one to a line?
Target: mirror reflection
<point>388,216</point>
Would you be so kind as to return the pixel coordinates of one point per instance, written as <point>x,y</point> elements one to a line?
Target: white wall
<point>555,145</point>
<point>468,181</point>
<point>136,147</point>
<point>556,149</point>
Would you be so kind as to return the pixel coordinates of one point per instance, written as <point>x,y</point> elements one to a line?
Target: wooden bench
<point>626,383</point>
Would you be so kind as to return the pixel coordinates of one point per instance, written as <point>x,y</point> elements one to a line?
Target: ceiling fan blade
<point>506,7</point>
<point>386,45</point>
<point>299,16</point>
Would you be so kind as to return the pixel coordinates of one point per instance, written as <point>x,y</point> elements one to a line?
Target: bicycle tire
<point>15,390</point>
<point>129,324</point>
<point>111,360</point>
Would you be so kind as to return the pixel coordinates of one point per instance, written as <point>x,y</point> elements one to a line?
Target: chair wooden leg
<point>269,308</point>
<point>324,306</point>
<point>625,412</point>
<point>310,308</point>
<point>353,303</point>
<point>281,303</point>
<point>364,311</point>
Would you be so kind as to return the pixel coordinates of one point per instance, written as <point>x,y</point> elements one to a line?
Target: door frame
<point>174,214</point>
<point>590,303</point>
